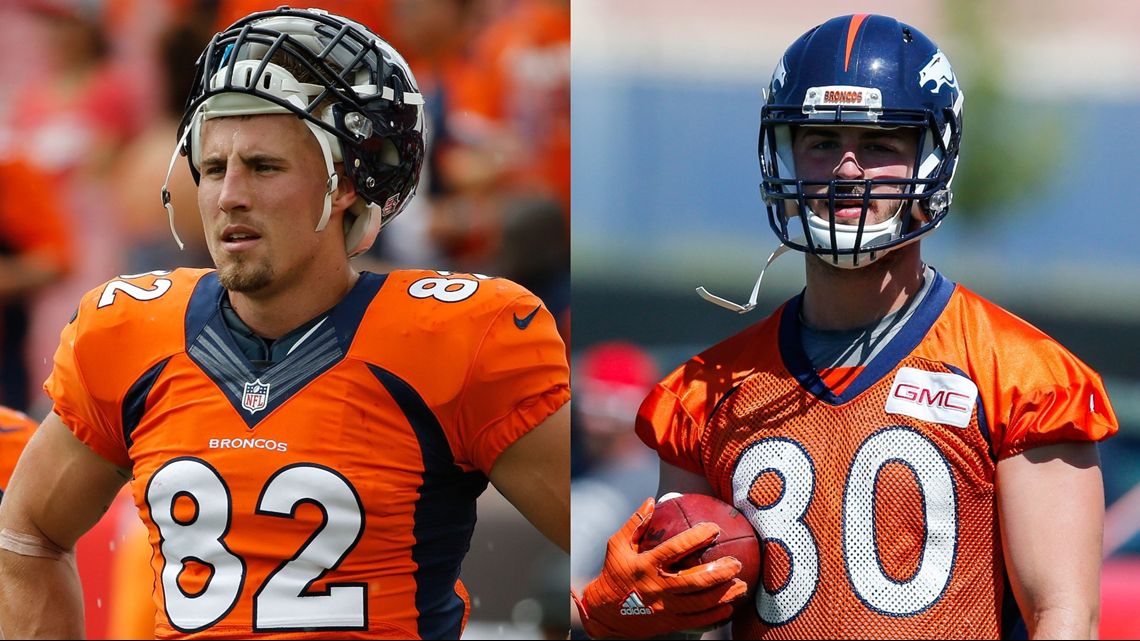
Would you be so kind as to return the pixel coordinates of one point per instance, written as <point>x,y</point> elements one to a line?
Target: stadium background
<point>91,92</point>
<point>666,101</point>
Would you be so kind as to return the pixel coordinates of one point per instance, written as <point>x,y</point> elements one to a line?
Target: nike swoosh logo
<point>522,323</point>
<point>19,428</point>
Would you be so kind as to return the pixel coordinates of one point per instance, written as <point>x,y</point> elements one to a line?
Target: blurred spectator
<point>535,253</point>
<point>141,168</point>
<point>611,380</point>
<point>34,253</point>
<point>434,37</point>
<point>514,113</point>
<point>501,115</point>
<point>69,123</point>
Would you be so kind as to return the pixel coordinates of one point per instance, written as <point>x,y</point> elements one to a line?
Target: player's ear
<point>345,193</point>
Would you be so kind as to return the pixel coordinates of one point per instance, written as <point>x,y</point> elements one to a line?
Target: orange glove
<point>637,596</point>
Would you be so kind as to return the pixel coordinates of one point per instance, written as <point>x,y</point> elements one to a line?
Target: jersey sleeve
<point>519,376</point>
<point>74,402</point>
<point>673,417</point>
<point>1054,398</point>
<point>666,422</point>
<point>107,346</point>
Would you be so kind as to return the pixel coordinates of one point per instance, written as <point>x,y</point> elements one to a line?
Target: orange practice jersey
<point>332,494</point>
<point>15,430</point>
<point>876,505</point>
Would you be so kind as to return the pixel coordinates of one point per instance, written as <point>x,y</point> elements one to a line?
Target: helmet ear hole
<point>389,154</point>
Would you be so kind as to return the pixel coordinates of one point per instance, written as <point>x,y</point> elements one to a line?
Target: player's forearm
<point>1065,623</point>
<point>40,598</point>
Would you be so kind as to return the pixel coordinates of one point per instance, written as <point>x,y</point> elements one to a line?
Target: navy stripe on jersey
<point>983,424</point>
<point>134,403</point>
<point>211,345</point>
<point>444,515</point>
<point>905,342</point>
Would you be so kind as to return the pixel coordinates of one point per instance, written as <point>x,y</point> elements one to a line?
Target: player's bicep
<point>1051,507</point>
<point>533,473</point>
<point>675,479</point>
<point>60,487</point>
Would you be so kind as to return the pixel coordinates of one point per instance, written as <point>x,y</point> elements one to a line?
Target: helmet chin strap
<point>166,185</point>
<point>751,305</point>
<point>333,181</point>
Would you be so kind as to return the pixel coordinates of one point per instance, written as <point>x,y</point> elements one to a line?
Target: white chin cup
<point>845,235</point>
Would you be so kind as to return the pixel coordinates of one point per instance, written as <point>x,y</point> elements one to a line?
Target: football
<point>676,513</point>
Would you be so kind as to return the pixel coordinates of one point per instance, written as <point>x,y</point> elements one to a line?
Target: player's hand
<point>669,601</point>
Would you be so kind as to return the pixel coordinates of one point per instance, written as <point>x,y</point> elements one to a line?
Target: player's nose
<point>848,167</point>
<point>235,193</point>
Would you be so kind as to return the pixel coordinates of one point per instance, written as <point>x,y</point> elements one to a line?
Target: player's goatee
<point>242,276</point>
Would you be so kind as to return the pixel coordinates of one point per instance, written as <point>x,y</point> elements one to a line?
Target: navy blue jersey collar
<point>210,344</point>
<point>908,338</point>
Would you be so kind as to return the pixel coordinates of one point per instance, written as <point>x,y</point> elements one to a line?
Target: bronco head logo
<point>939,72</point>
<point>779,76</point>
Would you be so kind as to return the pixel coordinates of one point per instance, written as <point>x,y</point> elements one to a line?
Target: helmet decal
<point>939,72</point>
<point>779,76</point>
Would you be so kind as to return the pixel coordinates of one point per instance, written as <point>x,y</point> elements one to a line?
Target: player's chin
<point>244,276</point>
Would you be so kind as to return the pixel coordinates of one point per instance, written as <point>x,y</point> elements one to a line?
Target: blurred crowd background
<point>91,94</point>
<point>666,112</point>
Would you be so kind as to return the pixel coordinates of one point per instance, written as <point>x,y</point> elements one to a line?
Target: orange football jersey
<point>332,494</point>
<point>876,505</point>
<point>15,430</point>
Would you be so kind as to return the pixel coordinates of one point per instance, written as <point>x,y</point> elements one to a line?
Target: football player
<point>917,461</point>
<point>305,443</point>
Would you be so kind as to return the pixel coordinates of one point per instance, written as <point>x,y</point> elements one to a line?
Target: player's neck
<point>272,315</point>
<point>837,299</point>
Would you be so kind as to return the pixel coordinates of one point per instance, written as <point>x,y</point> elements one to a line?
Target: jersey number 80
<point>783,522</point>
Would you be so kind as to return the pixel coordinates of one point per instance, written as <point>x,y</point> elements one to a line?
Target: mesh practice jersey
<point>332,494</point>
<point>876,506</point>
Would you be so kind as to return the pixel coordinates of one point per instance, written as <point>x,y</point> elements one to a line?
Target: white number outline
<point>938,526</point>
<point>439,284</point>
<point>333,592</point>
<point>769,604</point>
<point>179,621</point>
<point>188,622</point>
<point>742,500</point>
<point>137,292</point>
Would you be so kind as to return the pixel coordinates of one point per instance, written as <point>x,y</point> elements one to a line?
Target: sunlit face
<point>261,194</point>
<point>854,153</point>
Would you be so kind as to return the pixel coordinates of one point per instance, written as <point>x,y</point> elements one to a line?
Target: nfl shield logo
<point>256,396</point>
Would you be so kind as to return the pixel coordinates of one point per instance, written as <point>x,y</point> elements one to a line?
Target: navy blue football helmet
<point>350,87</point>
<point>865,71</point>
